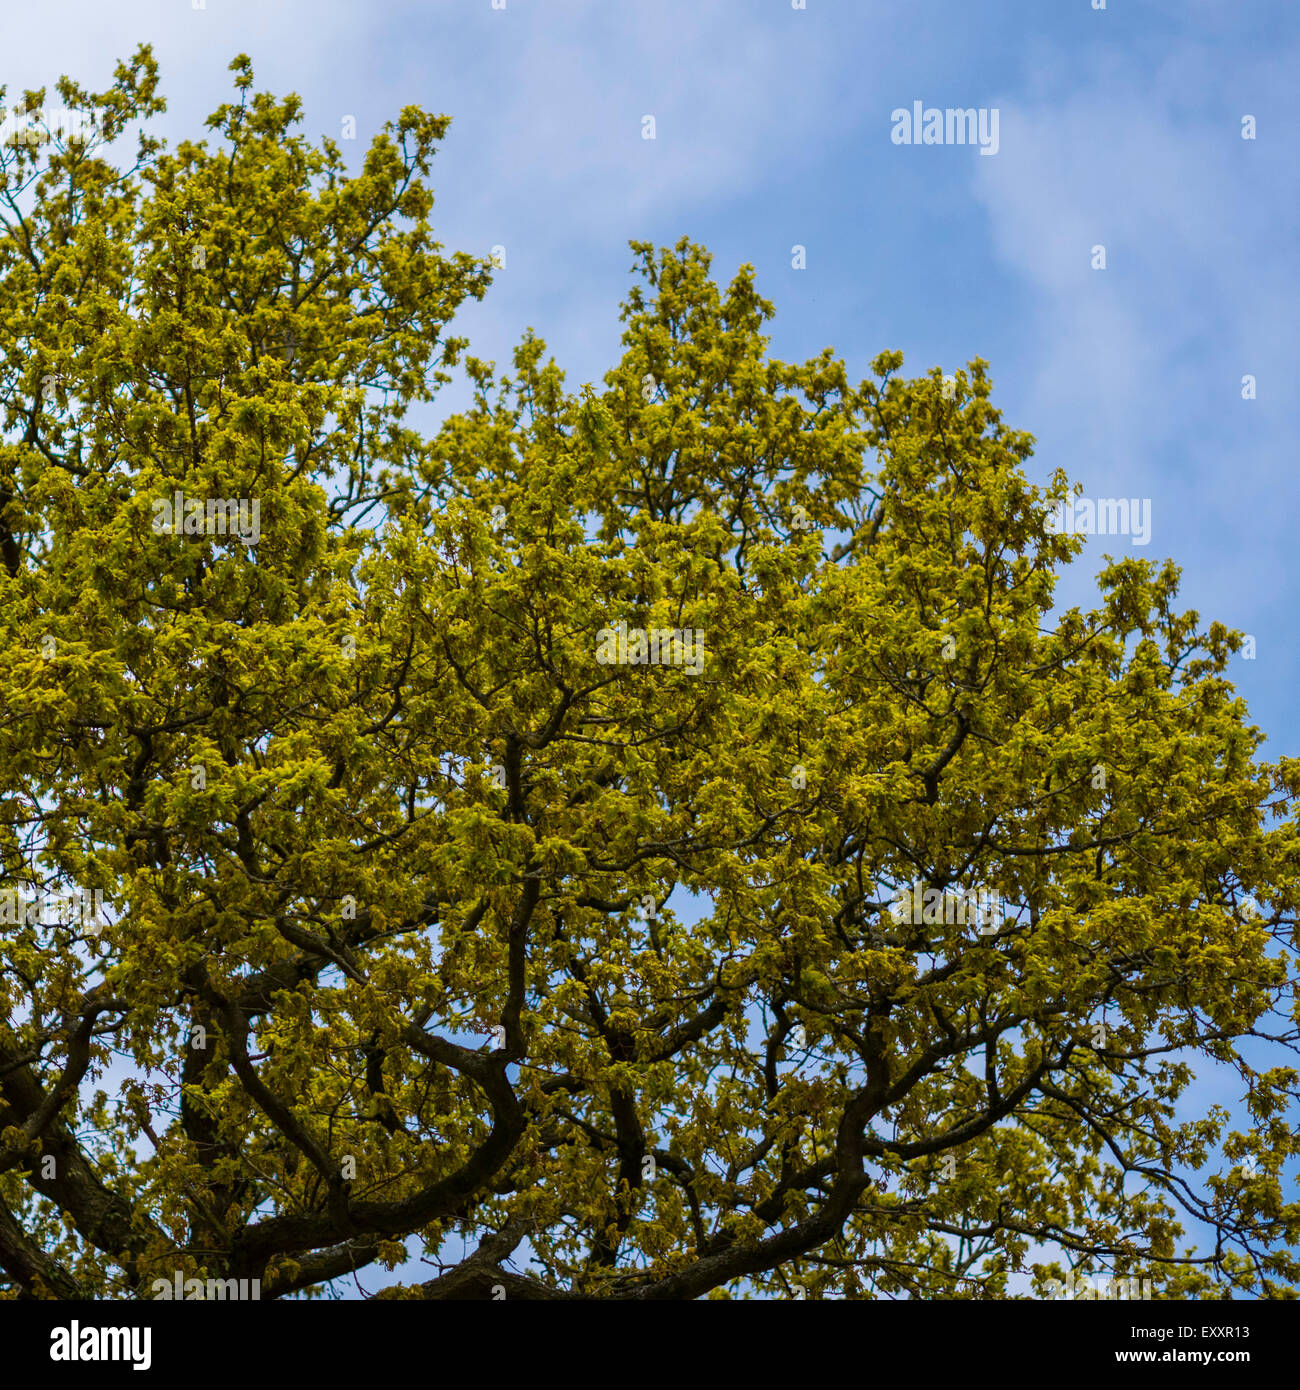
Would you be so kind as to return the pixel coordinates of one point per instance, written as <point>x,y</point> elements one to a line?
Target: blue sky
<point>1118,127</point>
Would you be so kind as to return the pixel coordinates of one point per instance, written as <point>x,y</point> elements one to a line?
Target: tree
<point>651,842</point>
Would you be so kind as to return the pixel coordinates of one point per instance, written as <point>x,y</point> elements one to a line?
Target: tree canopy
<point>542,844</point>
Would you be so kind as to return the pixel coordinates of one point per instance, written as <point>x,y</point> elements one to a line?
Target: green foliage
<point>378,829</point>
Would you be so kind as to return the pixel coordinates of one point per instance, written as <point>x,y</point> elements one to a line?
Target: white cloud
<point>1139,365</point>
